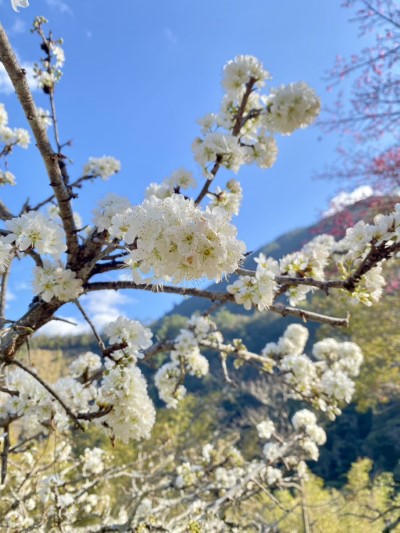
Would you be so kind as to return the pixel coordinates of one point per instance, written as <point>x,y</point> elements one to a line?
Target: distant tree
<point>367,109</point>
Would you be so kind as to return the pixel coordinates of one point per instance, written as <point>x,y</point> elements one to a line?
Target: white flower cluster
<point>176,240</point>
<point>185,359</point>
<point>291,451</point>
<point>262,150</point>
<point>11,137</point>
<point>228,199</point>
<point>384,232</point>
<point>130,333</point>
<point>344,360</point>
<point>220,471</point>
<point>291,107</point>
<point>274,451</point>
<point>104,167</point>
<point>44,117</point>
<point>53,281</point>
<point>7,178</point>
<point>186,475</point>
<point>224,146</point>
<point>124,391</point>
<point>258,290</point>
<point>282,111</point>
<point>237,74</point>
<point>310,261</point>
<point>49,72</point>
<point>114,394</point>
<point>33,402</point>
<point>86,364</point>
<point>341,356</point>
<point>326,382</point>
<point>305,422</point>
<point>167,380</point>
<point>272,475</point>
<point>58,54</point>
<point>179,179</point>
<point>66,496</point>
<point>47,80</point>
<point>5,255</point>
<point>34,230</point>
<point>111,205</point>
<point>265,429</point>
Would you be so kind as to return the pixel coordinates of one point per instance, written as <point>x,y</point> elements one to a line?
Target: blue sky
<point>137,77</point>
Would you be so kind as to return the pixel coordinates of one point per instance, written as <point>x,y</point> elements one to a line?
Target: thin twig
<point>4,454</point>
<point>18,78</point>
<point>91,325</point>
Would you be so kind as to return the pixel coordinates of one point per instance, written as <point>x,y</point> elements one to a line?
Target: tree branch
<point>51,159</point>
<point>215,297</point>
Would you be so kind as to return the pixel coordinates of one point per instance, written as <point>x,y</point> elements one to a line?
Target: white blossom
<point>182,178</point>
<point>44,117</point>
<point>273,451</point>
<point>104,167</point>
<point>229,199</point>
<point>5,255</point>
<point>291,107</point>
<point>7,178</point>
<point>52,281</point>
<point>263,151</point>
<point>338,385</point>
<point>224,146</point>
<point>86,364</point>
<point>131,333</point>
<point>310,448</point>
<point>273,475</point>
<point>292,342</point>
<point>132,416</point>
<point>59,54</point>
<point>238,72</point>
<point>258,290</point>
<point>111,205</point>
<point>93,462</point>
<point>167,380</point>
<point>265,429</point>
<point>34,230</point>
<point>177,240</point>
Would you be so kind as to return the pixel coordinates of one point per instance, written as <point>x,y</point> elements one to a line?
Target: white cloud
<point>170,36</point>
<point>10,296</point>
<point>105,306</point>
<point>23,286</point>
<point>19,26</point>
<point>62,6</point>
<point>6,87</point>
<point>57,328</point>
<point>344,199</point>
<point>102,308</point>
